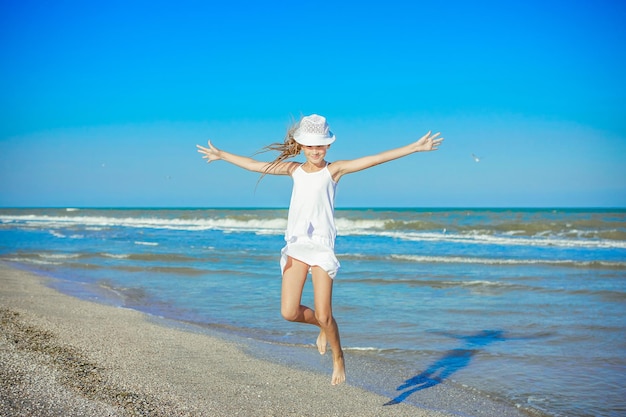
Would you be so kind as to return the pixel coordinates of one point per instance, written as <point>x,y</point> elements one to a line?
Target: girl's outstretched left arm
<point>428,142</point>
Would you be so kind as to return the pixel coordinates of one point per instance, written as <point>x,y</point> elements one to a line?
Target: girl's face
<point>315,154</point>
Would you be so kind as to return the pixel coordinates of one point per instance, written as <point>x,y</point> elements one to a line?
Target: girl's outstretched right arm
<point>213,154</point>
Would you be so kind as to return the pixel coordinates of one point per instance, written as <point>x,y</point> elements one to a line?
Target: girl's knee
<point>289,314</point>
<point>323,319</point>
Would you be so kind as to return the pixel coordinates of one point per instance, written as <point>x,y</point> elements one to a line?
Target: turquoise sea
<point>527,306</point>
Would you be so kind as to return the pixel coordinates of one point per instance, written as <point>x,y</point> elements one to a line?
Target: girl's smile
<point>315,154</point>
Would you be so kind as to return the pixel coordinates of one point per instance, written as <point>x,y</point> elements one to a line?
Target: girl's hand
<point>210,154</point>
<point>428,142</point>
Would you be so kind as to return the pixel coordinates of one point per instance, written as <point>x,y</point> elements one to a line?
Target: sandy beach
<point>64,356</point>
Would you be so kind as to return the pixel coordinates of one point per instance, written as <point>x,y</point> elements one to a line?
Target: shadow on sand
<point>452,361</point>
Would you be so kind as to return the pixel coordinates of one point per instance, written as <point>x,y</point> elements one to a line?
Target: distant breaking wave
<point>346,227</point>
<point>274,226</point>
<point>507,261</point>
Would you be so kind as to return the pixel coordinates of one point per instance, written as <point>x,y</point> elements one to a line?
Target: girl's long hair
<point>287,149</point>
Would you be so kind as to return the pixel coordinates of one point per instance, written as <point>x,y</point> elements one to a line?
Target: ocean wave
<point>620,265</point>
<point>138,242</point>
<point>31,261</point>
<point>488,288</point>
<point>57,255</point>
<point>148,257</point>
<point>43,258</point>
<point>481,234</point>
<point>474,285</point>
<point>486,238</point>
<point>116,255</point>
<point>508,261</point>
<point>260,225</point>
<point>175,270</point>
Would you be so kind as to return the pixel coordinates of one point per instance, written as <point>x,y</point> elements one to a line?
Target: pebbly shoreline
<point>64,356</point>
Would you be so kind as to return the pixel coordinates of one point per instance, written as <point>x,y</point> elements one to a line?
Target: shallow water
<point>524,305</point>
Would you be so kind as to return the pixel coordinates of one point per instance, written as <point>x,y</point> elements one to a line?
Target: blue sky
<point>102,103</point>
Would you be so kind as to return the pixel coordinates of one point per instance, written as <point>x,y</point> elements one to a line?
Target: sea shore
<point>60,355</point>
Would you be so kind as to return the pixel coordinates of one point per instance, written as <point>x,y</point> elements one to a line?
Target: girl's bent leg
<point>329,331</point>
<point>294,277</point>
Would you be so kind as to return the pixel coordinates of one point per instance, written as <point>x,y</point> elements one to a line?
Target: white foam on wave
<point>468,260</point>
<point>362,349</point>
<point>46,255</point>
<point>578,239</point>
<point>258,225</point>
<point>116,255</point>
<point>508,240</point>
<point>33,261</point>
<point>277,226</point>
<point>137,242</point>
<point>507,261</point>
<point>359,226</point>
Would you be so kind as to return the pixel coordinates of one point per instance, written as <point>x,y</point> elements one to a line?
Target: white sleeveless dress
<point>311,230</point>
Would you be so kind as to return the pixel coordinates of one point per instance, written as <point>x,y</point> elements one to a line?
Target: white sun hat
<point>313,131</point>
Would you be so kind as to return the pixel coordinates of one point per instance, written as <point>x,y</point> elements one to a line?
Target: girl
<point>311,231</point>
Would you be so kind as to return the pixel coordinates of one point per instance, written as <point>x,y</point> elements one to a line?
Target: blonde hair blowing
<point>287,149</point>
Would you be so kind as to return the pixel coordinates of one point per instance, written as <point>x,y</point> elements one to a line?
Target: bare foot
<point>321,342</point>
<point>339,370</point>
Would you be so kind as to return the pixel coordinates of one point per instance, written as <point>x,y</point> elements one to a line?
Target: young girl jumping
<point>311,232</point>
